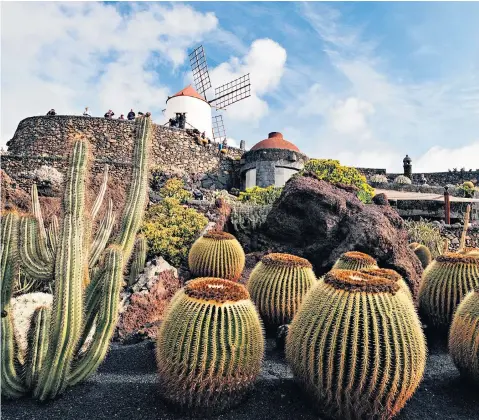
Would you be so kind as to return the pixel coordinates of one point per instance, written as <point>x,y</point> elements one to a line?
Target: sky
<point>362,82</point>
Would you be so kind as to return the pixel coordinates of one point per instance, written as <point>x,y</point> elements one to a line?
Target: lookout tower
<point>272,161</point>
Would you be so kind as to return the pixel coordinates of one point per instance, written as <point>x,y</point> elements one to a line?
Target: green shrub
<point>247,217</point>
<point>425,233</point>
<point>174,188</point>
<point>332,171</point>
<point>258,195</point>
<point>171,228</point>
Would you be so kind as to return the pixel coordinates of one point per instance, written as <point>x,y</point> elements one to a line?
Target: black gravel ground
<point>125,387</point>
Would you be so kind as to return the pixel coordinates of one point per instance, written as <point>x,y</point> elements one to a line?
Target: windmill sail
<point>232,92</point>
<point>219,132</point>
<point>199,67</point>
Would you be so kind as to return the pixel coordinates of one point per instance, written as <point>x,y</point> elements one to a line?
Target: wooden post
<point>447,206</point>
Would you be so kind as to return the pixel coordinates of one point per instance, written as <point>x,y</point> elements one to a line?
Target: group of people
<point>109,114</point>
<point>179,121</point>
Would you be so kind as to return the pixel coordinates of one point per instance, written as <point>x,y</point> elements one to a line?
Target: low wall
<point>441,179</point>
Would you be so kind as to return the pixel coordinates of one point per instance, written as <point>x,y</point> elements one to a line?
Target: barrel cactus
<point>278,284</point>
<point>210,346</point>
<point>357,346</point>
<point>422,252</point>
<point>445,283</point>
<point>87,277</point>
<point>355,260</point>
<point>403,180</point>
<point>217,254</point>
<point>378,179</point>
<point>390,275</point>
<point>464,336</point>
<point>468,184</point>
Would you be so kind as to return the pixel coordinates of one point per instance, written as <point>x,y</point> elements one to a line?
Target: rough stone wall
<point>454,232</point>
<point>46,141</point>
<point>440,179</point>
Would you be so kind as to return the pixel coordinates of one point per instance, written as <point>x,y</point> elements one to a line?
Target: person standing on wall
<point>85,113</point>
<point>131,115</point>
<point>109,114</point>
<point>51,113</point>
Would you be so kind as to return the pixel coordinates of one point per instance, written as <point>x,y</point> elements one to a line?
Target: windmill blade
<point>199,67</point>
<point>232,92</point>
<point>219,132</point>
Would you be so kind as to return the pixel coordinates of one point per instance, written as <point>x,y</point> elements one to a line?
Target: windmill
<point>199,114</point>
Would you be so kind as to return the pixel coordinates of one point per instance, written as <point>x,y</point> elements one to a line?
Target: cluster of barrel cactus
<point>445,283</point>
<point>210,345</point>
<point>87,277</point>
<point>357,346</point>
<point>217,254</point>
<point>402,179</point>
<point>354,260</point>
<point>278,284</point>
<point>422,252</point>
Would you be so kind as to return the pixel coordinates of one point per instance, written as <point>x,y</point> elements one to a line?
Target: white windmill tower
<point>198,109</point>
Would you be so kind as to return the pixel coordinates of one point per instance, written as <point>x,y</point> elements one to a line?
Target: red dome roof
<point>275,141</point>
<point>188,91</point>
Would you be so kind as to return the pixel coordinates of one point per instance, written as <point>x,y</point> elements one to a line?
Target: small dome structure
<point>270,162</point>
<point>275,140</point>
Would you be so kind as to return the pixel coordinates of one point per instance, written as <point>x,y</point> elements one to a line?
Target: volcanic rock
<point>319,221</point>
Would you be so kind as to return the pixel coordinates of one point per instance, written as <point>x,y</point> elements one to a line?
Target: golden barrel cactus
<point>445,283</point>
<point>217,254</point>
<point>422,252</point>
<point>278,284</point>
<point>464,336</point>
<point>357,346</point>
<point>354,260</point>
<point>210,346</point>
<point>390,275</point>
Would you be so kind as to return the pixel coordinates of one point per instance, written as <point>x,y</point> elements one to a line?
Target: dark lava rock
<point>381,199</point>
<point>318,221</point>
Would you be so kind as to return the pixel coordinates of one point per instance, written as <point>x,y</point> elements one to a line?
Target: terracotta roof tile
<point>275,140</point>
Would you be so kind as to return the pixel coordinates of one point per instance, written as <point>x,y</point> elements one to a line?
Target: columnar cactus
<point>139,259</point>
<point>422,252</point>
<point>390,275</point>
<point>357,346</point>
<point>354,260</point>
<point>278,284</point>
<point>217,254</point>
<point>56,356</point>
<point>464,336</point>
<point>445,283</point>
<point>210,345</point>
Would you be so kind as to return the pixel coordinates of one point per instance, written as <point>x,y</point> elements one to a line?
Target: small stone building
<point>270,162</point>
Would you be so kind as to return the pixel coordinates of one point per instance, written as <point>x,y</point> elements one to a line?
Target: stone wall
<point>454,232</point>
<point>440,179</point>
<point>47,140</point>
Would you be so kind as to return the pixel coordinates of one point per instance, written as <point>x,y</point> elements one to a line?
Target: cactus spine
<point>422,252</point>
<point>139,259</point>
<point>390,275</point>
<point>210,345</point>
<point>354,260</point>
<point>217,254</point>
<point>464,337</point>
<point>445,283</point>
<point>357,346</point>
<point>278,284</point>
<point>54,360</point>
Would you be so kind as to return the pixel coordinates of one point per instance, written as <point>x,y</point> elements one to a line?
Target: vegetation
<point>258,195</point>
<point>222,348</point>
<point>422,252</point>
<point>402,179</point>
<point>354,260</point>
<point>351,368</point>
<point>139,259</point>
<point>445,283</point>
<point>378,179</point>
<point>171,228</point>
<point>56,357</point>
<point>278,284</point>
<point>332,171</point>
<point>217,254</point>
<point>247,217</point>
<point>174,188</point>
<point>464,335</point>
<point>427,234</point>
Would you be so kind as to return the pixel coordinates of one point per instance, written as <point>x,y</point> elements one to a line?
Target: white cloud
<point>350,117</point>
<point>440,159</point>
<point>90,54</point>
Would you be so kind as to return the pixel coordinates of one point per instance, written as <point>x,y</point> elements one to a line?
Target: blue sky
<point>362,82</point>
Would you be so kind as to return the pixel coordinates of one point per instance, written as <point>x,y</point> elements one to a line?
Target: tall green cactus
<point>210,345</point>
<point>139,259</point>
<point>217,254</point>
<point>464,336</point>
<point>445,283</point>
<point>56,357</point>
<point>278,284</point>
<point>354,260</point>
<point>357,346</point>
